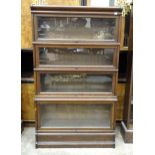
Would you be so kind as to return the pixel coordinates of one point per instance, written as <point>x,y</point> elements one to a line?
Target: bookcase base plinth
<point>75,140</point>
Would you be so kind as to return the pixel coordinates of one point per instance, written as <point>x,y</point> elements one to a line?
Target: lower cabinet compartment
<point>75,115</point>
<point>75,124</point>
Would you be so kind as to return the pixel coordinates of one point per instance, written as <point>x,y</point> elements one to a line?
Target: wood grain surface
<point>120,104</point>
<point>27,101</point>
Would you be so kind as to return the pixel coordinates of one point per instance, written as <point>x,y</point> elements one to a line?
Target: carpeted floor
<point>28,147</point>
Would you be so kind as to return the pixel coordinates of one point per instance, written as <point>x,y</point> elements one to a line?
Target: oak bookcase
<point>76,56</point>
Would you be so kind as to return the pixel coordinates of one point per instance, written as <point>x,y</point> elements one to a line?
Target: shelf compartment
<point>76,27</point>
<point>74,115</point>
<point>70,110</point>
<point>74,56</point>
<point>75,82</point>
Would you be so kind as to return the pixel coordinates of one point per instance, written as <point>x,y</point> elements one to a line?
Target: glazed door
<point>75,116</point>
<point>76,28</point>
<point>73,56</point>
<point>73,82</point>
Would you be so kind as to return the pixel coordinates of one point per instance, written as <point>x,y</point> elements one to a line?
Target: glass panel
<point>75,115</point>
<point>76,56</point>
<point>78,28</point>
<point>75,82</point>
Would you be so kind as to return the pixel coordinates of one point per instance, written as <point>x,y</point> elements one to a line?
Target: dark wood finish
<point>77,43</point>
<point>79,144</point>
<point>100,135</point>
<point>75,140</point>
<point>127,123</point>
<point>74,137</point>
<point>75,8</point>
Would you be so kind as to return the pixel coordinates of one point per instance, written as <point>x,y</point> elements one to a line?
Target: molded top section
<point>74,8</point>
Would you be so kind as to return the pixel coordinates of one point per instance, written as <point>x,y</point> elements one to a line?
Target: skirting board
<point>29,123</point>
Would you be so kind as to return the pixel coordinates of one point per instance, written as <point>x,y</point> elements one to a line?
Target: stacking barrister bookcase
<point>76,54</point>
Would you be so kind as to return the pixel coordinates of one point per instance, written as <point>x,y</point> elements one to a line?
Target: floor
<point>28,147</point>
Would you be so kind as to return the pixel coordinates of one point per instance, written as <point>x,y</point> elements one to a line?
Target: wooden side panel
<point>121,93</point>
<point>122,47</point>
<point>126,133</point>
<point>129,86</point>
<point>122,33</point>
<point>27,101</point>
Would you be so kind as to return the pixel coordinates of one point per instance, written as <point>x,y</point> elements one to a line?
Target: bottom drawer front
<point>75,115</point>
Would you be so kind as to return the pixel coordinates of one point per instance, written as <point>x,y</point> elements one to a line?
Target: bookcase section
<point>76,54</point>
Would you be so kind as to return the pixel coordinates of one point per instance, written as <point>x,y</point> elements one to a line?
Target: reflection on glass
<point>75,82</point>
<point>76,28</point>
<point>76,56</point>
<point>75,115</point>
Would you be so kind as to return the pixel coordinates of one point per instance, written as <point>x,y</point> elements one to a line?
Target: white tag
<point>115,13</point>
